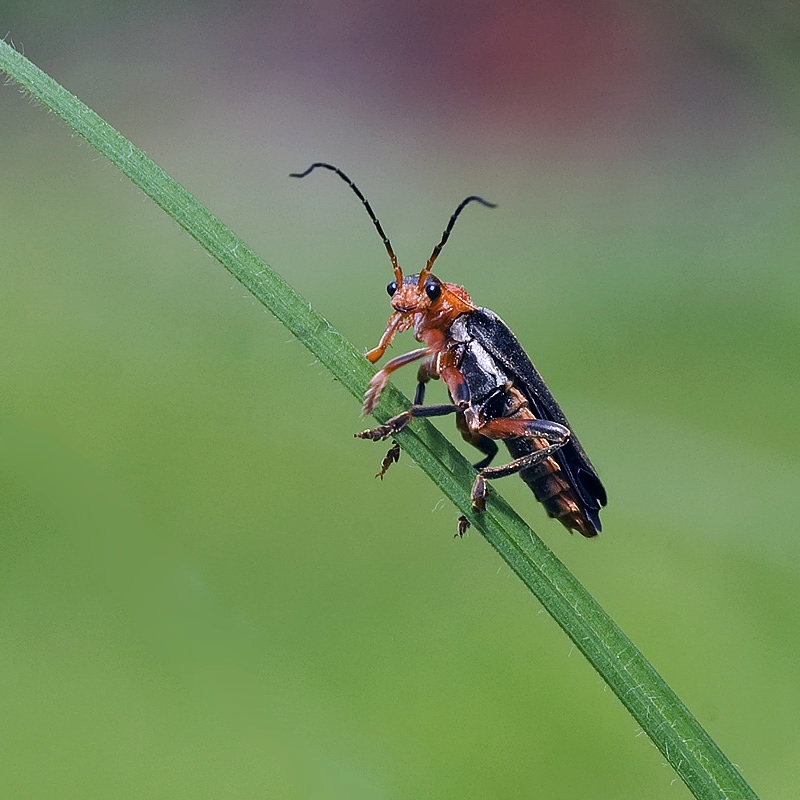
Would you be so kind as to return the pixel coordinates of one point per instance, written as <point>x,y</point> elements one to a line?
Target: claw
<point>392,457</point>
<point>480,491</point>
<point>393,426</point>
<point>375,434</point>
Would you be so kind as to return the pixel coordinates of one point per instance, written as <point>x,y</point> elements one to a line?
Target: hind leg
<point>551,435</point>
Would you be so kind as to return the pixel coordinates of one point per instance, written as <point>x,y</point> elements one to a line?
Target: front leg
<point>381,378</point>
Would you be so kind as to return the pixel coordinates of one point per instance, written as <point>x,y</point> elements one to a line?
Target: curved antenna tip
<point>446,235</point>
<point>480,200</point>
<point>310,169</point>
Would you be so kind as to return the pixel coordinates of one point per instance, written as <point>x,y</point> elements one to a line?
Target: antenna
<point>398,273</point>
<point>446,235</point>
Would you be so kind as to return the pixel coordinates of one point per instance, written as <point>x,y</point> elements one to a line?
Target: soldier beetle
<point>496,392</point>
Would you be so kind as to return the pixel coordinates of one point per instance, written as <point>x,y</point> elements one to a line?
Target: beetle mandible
<point>496,391</point>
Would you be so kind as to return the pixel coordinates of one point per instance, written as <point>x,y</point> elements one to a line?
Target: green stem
<point>660,713</point>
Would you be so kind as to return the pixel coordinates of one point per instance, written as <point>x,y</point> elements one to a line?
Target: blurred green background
<point>203,591</point>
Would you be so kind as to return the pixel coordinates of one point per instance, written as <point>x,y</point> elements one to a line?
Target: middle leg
<point>396,424</point>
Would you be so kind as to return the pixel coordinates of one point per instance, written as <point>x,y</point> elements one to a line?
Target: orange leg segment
<point>381,378</point>
<point>552,436</point>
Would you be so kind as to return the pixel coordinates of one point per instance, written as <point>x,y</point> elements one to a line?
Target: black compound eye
<point>433,288</point>
<point>391,288</point>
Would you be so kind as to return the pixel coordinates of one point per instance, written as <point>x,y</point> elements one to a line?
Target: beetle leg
<point>501,428</point>
<point>392,457</point>
<point>455,382</point>
<point>480,489</point>
<point>396,424</point>
<point>381,378</point>
<point>427,370</point>
<point>528,428</point>
<point>397,323</point>
<point>486,445</point>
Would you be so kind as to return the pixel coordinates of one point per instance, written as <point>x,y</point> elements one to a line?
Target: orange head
<point>430,307</point>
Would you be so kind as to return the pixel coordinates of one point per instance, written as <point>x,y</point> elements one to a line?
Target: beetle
<point>496,392</point>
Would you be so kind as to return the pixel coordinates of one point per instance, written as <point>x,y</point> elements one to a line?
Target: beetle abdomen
<point>551,488</point>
